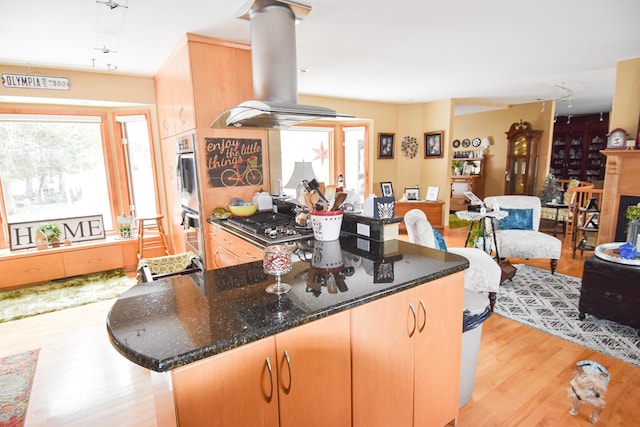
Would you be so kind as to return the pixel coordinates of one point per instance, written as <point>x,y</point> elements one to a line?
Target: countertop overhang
<point>170,323</point>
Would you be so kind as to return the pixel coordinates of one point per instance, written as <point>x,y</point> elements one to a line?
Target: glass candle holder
<point>276,261</point>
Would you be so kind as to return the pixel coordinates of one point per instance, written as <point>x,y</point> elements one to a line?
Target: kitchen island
<point>352,345</point>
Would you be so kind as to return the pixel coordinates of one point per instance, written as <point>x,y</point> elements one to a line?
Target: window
<point>64,164</point>
<point>139,165</point>
<point>306,145</point>
<point>53,166</point>
<point>317,144</point>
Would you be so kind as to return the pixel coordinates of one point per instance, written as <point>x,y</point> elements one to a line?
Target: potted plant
<point>456,167</point>
<point>50,229</point>
<point>633,226</point>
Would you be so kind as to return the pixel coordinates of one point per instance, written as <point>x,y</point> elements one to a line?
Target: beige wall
<point>87,85</point>
<point>626,98</point>
<point>495,124</point>
<point>401,119</point>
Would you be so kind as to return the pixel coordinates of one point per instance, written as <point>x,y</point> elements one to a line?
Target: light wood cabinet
<point>299,377</point>
<point>31,266</point>
<point>460,184</point>
<point>410,373</point>
<point>314,373</point>
<point>468,174</point>
<point>433,211</point>
<point>224,249</point>
<point>202,78</point>
<point>235,388</point>
<point>91,260</point>
<point>33,269</point>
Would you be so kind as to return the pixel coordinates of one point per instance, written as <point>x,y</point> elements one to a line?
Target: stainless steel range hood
<point>273,56</point>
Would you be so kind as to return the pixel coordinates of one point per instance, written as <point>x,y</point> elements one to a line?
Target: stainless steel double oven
<point>189,195</point>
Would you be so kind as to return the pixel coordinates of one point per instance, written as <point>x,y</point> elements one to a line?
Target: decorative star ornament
<point>321,153</point>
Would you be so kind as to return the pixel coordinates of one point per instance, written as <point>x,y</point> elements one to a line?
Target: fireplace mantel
<point>622,178</point>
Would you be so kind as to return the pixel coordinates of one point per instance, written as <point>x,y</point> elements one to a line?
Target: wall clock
<point>617,139</point>
<point>466,143</point>
<point>409,146</point>
<point>475,142</point>
<point>456,143</point>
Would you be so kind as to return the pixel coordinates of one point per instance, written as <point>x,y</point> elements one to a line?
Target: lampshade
<point>485,143</point>
<point>301,171</point>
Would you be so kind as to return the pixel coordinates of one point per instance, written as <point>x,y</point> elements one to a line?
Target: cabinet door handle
<point>415,321</point>
<point>287,389</point>
<point>268,363</point>
<point>424,313</point>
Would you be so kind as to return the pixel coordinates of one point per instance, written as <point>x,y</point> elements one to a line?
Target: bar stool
<point>151,236</point>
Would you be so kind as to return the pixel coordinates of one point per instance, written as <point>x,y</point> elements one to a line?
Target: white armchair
<point>521,238</point>
<point>483,274</point>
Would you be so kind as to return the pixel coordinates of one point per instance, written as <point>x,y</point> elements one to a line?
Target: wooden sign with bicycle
<point>234,162</point>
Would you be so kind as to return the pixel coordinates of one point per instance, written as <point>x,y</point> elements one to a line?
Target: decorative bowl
<point>243,210</point>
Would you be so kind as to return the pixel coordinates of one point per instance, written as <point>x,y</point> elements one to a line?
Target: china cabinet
<point>577,142</point>
<point>522,159</point>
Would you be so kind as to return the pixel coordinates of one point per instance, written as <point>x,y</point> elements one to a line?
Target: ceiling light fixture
<point>105,49</point>
<point>565,96</point>
<point>111,4</point>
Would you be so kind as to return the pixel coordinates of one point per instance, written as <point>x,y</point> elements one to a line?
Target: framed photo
<point>412,193</point>
<point>432,194</point>
<point>433,144</point>
<point>386,142</point>
<point>468,168</point>
<point>387,189</point>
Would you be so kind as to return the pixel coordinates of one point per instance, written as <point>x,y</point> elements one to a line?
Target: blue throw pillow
<point>518,219</point>
<point>440,244</point>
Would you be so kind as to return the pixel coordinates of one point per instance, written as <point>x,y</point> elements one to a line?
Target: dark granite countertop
<point>172,322</point>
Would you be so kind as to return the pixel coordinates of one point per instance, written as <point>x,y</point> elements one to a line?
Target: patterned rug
<point>549,303</point>
<point>16,379</point>
<point>61,294</point>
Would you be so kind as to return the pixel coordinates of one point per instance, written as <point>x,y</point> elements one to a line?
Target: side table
<point>610,291</point>
<point>557,207</point>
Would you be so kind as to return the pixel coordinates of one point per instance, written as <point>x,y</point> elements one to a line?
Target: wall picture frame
<point>413,193</point>
<point>386,189</point>
<point>433,144</point>
<point>386,143</point>
<point>432,194</point>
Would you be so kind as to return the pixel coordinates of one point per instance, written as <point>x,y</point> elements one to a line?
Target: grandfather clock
<point>522,159</point>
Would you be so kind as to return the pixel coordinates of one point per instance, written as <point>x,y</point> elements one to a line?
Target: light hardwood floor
<point>521,380</point>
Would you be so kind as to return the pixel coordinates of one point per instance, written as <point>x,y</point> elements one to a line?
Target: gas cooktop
<point>269,228</point>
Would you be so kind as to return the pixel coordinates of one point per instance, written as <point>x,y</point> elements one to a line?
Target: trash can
<point>476,311</point>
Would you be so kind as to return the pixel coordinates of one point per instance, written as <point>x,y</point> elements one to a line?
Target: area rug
<point>455,222</point>
<point>61,294</point>
<point>16,379</point>
<point>547,302</point>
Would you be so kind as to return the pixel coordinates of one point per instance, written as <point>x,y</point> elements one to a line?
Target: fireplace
<point>620,186</point>
<point>621,226</point>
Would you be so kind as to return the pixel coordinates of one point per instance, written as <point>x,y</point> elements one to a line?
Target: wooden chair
<point>151,236</point>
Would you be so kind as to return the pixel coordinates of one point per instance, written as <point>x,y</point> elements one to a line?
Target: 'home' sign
<point>23,235</point>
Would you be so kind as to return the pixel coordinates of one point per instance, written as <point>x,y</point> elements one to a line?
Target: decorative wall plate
<point>466,143</point>
<point>475,142</point>
<point>456,143</point>
<point>409,147</point>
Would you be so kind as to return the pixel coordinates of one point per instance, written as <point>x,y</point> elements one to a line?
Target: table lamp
<point>301,171</point>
